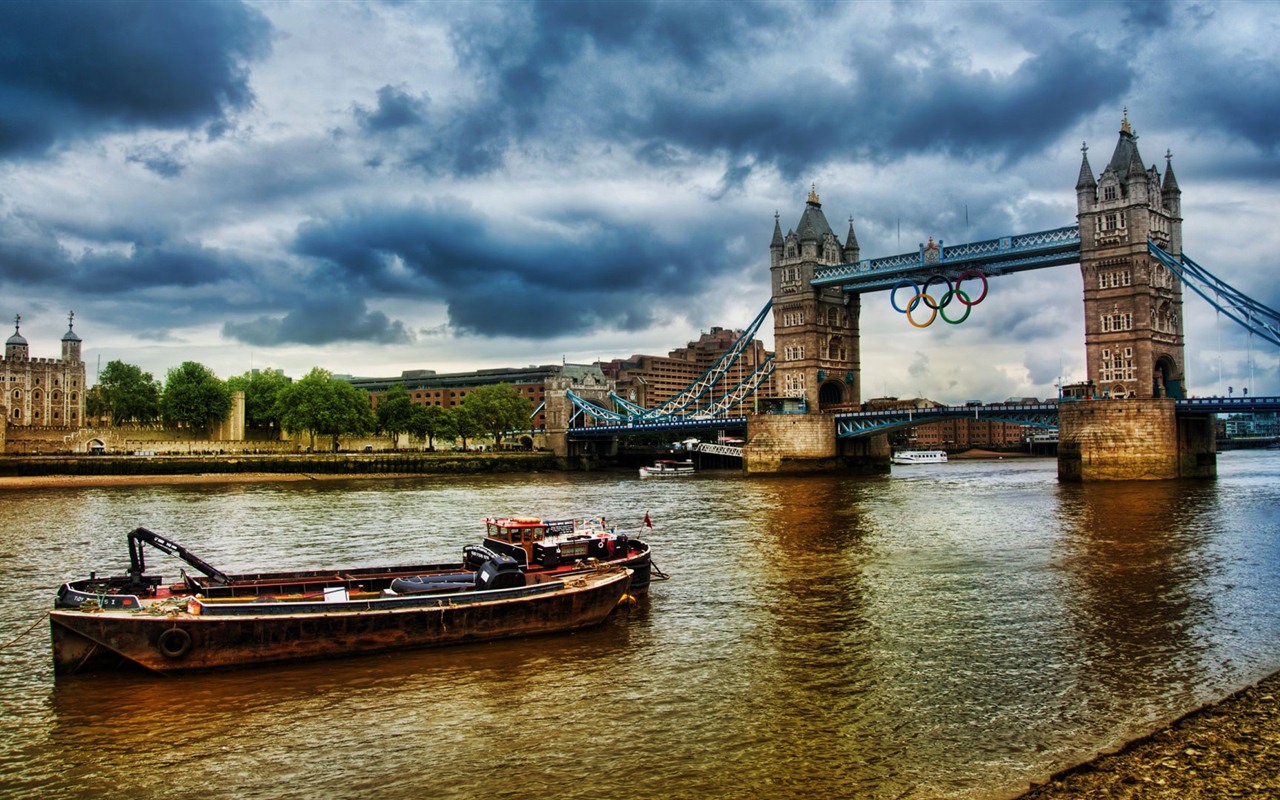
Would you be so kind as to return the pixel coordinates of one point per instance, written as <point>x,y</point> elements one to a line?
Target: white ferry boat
<point>667,469</point>
<point>919,457</point>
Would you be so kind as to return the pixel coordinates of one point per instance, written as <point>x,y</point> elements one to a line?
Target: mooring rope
<point>15,639</point>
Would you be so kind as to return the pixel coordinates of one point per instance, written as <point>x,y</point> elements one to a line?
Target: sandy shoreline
<point>1230,748</point>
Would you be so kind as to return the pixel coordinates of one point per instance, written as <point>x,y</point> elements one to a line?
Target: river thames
<point>946,631</point>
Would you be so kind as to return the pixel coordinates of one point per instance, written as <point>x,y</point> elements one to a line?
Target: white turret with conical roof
<point>15,347</point>
<point>70,341</point>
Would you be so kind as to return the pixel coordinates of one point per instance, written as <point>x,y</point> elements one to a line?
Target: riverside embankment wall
<point>326,464</point>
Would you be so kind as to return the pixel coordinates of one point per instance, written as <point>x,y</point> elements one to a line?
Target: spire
<point>1085,181</point>
<point>17,337</point>
<point>70,335</point>
<point>1170,182</point>
<point>777,232</point>
<point>851,249</point>
<point>813,223</point>
<point>1126,161</point>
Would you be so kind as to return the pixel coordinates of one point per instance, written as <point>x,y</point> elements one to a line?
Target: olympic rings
<point>973,273</point>
<point>964,300</point>
<point>928,301</point>
<point>893,294</point>
<point>938,307</point>
<point>924,292</point>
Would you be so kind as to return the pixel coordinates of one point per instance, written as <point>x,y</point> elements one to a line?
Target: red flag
<point>648,523</point>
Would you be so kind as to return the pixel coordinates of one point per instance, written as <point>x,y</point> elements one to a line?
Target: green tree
<point>195,396</point>
<point>430,422</point>
<point>498,409</point>
<point>464,422</point>
<point>322,405</point>
<point>128,394</point>
<point>261,391</point>
<point>95,406</point>
<point>395,411</point>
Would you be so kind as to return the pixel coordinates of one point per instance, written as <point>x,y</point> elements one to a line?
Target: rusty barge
<point>220,621</point>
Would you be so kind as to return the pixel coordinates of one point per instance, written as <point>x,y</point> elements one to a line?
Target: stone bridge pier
<point>806,443</point>
<point>1126,439</point>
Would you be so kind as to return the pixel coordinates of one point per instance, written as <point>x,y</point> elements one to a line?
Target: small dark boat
<point>219,621</point>
<point>543,546</point>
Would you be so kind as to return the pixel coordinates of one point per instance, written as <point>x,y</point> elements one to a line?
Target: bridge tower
<point>816,344</point>
<point>815,330</point>
<point>1134,346</point>
<point>1132,303</point>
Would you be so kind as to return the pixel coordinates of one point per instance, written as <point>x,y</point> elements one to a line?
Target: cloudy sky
<point>373,187</point>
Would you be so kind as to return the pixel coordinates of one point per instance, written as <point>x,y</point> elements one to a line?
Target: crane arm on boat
<point>138,562</point>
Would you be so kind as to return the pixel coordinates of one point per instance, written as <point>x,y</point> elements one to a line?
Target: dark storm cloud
<point>903,107</point>
<point>70,70</point>
<point>541,70</point>
<point>321,320</point>
<point>167,163</point>
<point>396,109</point>
<point>603,273</point>
<point>677,82</point>
<point>1239,96</point>
<point>31,257</point>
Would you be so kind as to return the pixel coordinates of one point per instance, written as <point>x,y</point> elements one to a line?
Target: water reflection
<point>947,633</point>
<point>1139,576</point>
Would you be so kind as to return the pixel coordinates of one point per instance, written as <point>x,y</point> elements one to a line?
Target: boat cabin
<point>548,543</point>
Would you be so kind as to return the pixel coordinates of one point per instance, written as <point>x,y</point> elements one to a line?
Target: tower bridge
<point>1137,421</point>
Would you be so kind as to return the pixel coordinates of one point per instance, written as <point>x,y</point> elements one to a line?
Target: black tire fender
<point>174,643</point>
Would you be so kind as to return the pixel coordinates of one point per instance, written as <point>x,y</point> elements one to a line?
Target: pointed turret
<point>1086,180</point>
<point>777,243</point>
<point>852,252</point>
<point>813,223</point>
<point>1126,160</point>
<point>1170,183</point>
<point>1086,186</point>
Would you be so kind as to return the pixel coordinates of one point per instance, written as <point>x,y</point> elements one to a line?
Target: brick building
<point>961,433</point>
<point>649,380</point>
<point>426,387</point>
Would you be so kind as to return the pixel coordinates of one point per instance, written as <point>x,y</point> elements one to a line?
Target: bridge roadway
<point>1002,256</point>
<point>851,424</point>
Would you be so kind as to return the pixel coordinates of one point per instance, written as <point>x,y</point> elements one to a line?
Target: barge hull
<point>184,642</point>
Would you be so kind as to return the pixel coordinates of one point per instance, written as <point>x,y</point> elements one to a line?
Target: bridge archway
<point>1166,381</point>
<point>830,393</point>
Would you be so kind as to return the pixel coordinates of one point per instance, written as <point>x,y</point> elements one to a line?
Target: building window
<point>1111,222</point>
<point>1108,193</point>
<point>1117,322</point>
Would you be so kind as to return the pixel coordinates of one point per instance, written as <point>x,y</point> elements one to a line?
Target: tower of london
<point>46,392</point>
